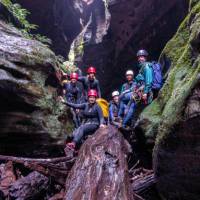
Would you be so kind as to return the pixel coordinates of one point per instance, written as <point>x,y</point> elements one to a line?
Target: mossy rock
<point>183,52</point>
<point>32,121</point>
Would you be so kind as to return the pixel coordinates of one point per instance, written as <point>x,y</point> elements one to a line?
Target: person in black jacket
<point>90,82</point>
<point>73,93</point>
<point>93,118</point>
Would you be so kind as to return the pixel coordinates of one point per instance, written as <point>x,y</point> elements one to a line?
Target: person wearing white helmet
<point>114,109</point>
<point>127,107</point>
<point>129,84</point>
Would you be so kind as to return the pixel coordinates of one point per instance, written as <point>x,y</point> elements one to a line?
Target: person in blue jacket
<point>114,109</point>
<point>127,105</point>
<point>145,75</point>
<point>129,81</point>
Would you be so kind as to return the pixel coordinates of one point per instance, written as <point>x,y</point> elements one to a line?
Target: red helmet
<point>91,70</point>
<point>74,75</point>
<point>92,93</point>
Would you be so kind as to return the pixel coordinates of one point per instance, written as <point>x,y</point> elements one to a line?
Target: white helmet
<point>115,93</point>
<point>129,72</point>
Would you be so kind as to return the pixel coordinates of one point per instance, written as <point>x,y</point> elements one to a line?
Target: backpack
<point>104,106</point>
<point>157,75</point>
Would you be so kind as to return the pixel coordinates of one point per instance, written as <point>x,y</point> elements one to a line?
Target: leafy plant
<point>21,15</point>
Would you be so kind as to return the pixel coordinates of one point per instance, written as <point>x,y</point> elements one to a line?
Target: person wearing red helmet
<point>73,93</point>
<point>92,118</point>
<point>90,82</point>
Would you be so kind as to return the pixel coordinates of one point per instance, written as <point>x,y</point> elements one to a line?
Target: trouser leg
<point>75,118</point>
<point>129,114</point>
<point>121,109</point>
<point>123,103</point>
<point>83,130</point>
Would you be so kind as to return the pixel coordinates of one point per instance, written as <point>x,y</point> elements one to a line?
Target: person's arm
<point>82,79</point>
<point>128,90</point>
<point>79,94</point>
<point>98,89</point>
<point>148,76</point>
<point>66,90</point>
<point>100,115</point>
<point>123,88</point>
<point>74,105</point>
<point>139,78</point>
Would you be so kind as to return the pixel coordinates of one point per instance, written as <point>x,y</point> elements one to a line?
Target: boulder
<point>172,120</point>
<point>32,121</point>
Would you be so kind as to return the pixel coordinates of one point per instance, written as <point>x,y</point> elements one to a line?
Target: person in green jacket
<point>145,75</point>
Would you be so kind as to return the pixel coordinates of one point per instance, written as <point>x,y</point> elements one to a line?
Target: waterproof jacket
<point>146,76</point>
<point>113,111</point>
<point>128,86</point>
<point>73,92</point>
<point>91,113</point>
<point>90,84</point>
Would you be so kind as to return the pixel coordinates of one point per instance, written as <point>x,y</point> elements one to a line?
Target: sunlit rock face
<point>32,122</point>
<point>107,34</point>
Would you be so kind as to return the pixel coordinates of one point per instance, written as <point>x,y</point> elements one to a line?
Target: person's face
<point>73,80</point>
<point>142,59</point>
<point>91,99</point>
<point>129,78</point>
<point>91,76</point>
<point>116,99</point>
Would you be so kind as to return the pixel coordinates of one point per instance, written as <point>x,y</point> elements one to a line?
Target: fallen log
<point>58,196</point>
<point>142,180</point>
<point>143,184</point>
<point>56,168</point>
<point>7,177</point>
<point>100,171</point>
<point>38,160</point>
<point>29,187</point>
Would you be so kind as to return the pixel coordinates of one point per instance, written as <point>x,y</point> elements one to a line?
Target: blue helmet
<point>142,52</point>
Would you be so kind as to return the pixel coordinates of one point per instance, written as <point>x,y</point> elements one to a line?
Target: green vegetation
<point>167,110</point>
<point>193,3</point>
<point>21,15</point>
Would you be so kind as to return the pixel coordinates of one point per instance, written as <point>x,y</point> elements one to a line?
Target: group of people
<point>82,92</point>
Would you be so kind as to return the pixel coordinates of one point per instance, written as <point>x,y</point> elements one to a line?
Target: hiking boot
<point>71,145</point>
<point>125,128</point>
<point>70,149</point>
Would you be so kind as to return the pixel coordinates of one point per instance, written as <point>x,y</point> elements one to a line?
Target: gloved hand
<point>61,99</point>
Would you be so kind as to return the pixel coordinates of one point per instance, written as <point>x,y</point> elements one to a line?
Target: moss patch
<point>167,109</point>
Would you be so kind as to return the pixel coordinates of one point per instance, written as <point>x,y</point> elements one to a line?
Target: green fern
<point>21,15</point>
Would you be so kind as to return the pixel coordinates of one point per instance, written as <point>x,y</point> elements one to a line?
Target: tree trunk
<point>56,168</point>
<point>100,171</point>
<point>29,187</point>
